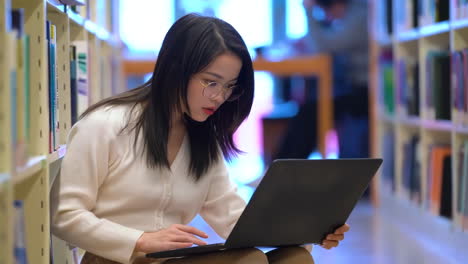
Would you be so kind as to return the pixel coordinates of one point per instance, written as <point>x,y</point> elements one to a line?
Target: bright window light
<point>145,23</point>
<point>296,21</point>
<point>252,19</point>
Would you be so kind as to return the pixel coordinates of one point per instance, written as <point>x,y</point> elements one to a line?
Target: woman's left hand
<point>332,240</point>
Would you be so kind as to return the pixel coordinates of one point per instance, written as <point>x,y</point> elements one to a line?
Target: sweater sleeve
<point>75,191</point>
<point>223,205</point>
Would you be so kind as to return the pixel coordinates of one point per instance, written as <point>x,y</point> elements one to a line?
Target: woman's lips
<point>208,111</point>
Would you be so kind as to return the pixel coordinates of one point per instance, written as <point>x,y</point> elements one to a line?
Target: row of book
<point>438,85</point>
<point>21,85</point>
<point>78,57</point>
<point>408,16</point>
<point>438,181</point>
<point>461,212</point>
<point>101,12</point>
<point>387,85</point>
<point>402,90</point>
<point>20,71</point>
<point>432,11</point>
<point>459,61</point>
<point>4,205</point>
<point>384,9</point>
<point>54,102</point>
<point>412,14</point>
<point>460,9</point>
<point>408,86</point>
<point>19,244</point>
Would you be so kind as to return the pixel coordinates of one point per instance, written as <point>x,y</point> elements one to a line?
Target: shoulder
<point>105,120</point>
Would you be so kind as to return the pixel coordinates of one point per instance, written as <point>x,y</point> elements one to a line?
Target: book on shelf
<point>387,95</point>
<point>433,11</point>
<point>20,251</point>
<point>385,13</point>
<point>82,75</point>
<point>439,174</point>
<point>460,9</point>
<point>4,221</point>
<point>388,166</point>
<point>407,17</point>
<point>51,35</point>
<point>461,212</point>
<point>22,93</point>
<point>411,177</point>
<point>73,85</point>
<point>82,10</point>
<point>459,75</point>
<point>438,78</point>
<point>408,87</point>
<point>12,70</point>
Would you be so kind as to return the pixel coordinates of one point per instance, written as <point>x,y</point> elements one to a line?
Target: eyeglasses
<point>230,93</point>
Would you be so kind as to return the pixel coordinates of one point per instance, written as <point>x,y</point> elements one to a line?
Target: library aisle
<point>374,238</point>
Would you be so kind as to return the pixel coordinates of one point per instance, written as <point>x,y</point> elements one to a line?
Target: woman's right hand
<point>174,237</point>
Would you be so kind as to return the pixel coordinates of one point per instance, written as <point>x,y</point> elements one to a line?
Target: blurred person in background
<point>343,34</point>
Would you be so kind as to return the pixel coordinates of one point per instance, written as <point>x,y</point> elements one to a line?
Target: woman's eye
<point>212,84</point>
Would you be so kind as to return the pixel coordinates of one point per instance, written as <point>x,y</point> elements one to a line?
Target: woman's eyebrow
<point>219,76</point>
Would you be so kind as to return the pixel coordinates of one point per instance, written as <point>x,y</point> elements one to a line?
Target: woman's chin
<point>197,118</point>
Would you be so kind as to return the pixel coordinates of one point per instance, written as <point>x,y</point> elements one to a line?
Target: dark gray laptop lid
<point>300,201</point>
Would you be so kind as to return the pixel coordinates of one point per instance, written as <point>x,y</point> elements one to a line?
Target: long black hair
<point>329,3</point>
<point>189,46</point>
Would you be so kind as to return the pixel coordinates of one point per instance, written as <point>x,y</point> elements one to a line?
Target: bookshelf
<point>40,64</point>
<point>419,126</point>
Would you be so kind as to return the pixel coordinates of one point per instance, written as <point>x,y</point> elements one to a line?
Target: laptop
<point>297,202</point>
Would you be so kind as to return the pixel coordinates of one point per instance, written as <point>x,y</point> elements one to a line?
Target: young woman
<point>141,165</point>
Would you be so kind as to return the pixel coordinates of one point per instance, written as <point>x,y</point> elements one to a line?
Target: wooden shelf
<point>461,129</point>
<point>418,134</point>
<point>89,26</point>
<point>410,121</point>
<point>33,166</point>
<point>54,7</point>
<point>387,118</point>
<point>56,155</point>
<point>435,29</point>
<point>102,49</point>
<point>438,125</point>
<point>410,35</point>
<point>460,24</point>
<point>73,2</point>
<point>76,18</point>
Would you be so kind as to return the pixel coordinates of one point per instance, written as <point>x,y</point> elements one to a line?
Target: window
<point>143,23</point>
<point>296,21</point>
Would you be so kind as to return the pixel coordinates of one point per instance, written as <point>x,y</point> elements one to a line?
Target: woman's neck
<point>177,128</point>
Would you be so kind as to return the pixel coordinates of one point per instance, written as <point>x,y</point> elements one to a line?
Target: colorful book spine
<point>82,75</point>
<point>20,240</point>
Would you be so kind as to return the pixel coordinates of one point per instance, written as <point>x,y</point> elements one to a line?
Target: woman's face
<point>209,89</point>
